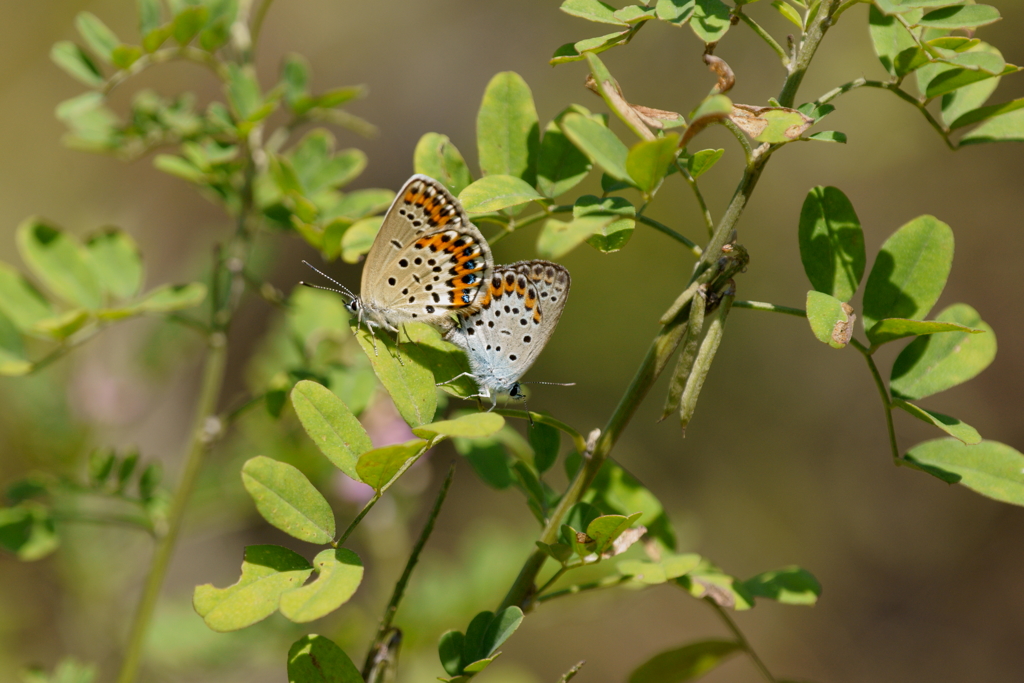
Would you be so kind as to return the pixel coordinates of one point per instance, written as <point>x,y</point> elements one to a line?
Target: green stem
<point>131,521</point>
<point>396,596</point>
<point>186,53</point>
<point>692,182</point>
<point>607,582</point>
<point>764,35</point>
<point>805,53</point>
<point>257,22</point>
<point>577,439</point>
<point>550,582</point>
<point>774,308</point>
<point>741,639</point>
<point>355,522</point>
<point>661,227</point>
<point>884,394</point>
<point>205,429</point>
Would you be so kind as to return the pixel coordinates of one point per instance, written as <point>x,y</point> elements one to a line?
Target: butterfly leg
<point>458,376</point>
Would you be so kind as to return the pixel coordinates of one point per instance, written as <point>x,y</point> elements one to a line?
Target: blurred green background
<point>784,463</point>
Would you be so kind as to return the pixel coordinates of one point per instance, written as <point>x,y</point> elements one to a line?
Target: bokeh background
<point>785,462</point>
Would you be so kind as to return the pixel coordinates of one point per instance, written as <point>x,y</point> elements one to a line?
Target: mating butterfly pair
<point>429,262</point>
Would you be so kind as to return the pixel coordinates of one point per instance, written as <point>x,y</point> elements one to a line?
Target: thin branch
<point>764,35</point>
<point>607,582</point>
<point>355,522</point>
<point>185,53</point>
<point>396,596</point>
<point>884,394</point>
<point>741,639</point>
<point>774,308</point>
<point>692,182</point>
<point>661,227</point>
<point>577,439</point>
<point>257,22</point>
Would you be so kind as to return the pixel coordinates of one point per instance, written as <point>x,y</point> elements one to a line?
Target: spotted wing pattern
<point>516,316</point>
<point>427,261</point>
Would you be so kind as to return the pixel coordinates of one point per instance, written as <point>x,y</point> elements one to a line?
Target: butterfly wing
<point>516,317</point>
<point>427,261</point>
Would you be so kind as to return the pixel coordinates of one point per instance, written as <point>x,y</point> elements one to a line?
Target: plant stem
<point>884,394</point>
<point>741,639</point>
<point>808,46</point>
<point>355,522</point>
<point>606,582</point>
<point>577,439</point>
<point>692,182</point>
<point>396,596</point>
<point>774,308</point>
<point>764,35</point>
<point>661,227</point>
<point>550,582</point>
<point>257,22</point>
<point>203,433</point>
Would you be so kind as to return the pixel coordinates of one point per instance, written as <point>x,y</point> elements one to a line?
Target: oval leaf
<point>287,499</point>
<point>331,425</point>
<point>960,16</point>
<point>791,586</point>
<point>910,271</point>
<point>685,663</point>
<point>115,259</point>
<point>496,192</point>
<point>315,659</point>
<point>831,320</point>
<point>891,329</point>
<point>268,572</point>
<point>560,166</point>
<point>938,362</point>
<point>377,468</point>
<point>59,261</point>
<point>20,301</point>
<point>831,243</point>
<point>599,144</point>
<point>475,425</point>
<point>340,573</point>
<point>167,298</point>
<point>952,426</point>
<point>410,384</point>
<point>506,129</point>
<point>648,161</point>
<point>990,468</point>
<point>437,157</point>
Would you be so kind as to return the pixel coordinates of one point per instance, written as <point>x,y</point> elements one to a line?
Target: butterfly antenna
<point>554,384</point>
<point>342,288</point>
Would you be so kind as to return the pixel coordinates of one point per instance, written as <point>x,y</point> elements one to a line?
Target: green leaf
<point>649,160</point>
<point>831,243</point>
<point>614,235</point>
<point>952,426</point>
<point>506,129</point>
<point>444,360</point>
<point>606,528</point>
<point>474,425</point>
<point>985,113</point>
<point>76,63</point>
<point>13,360</point>
<point>890,38</point>
<point>359,204</point>
<point>712,583</point>
<point>62,326</point>
<point>702,161</point>
<point>634,14</point>
<point>831,320</point>
<point>410,384</point>
<point>20,301</point>
<point>560,165</point>
<point>59,261</point>
<point>790,14</point>
<point>828,136</point>
<point>115,259</point>
<point>188,22</point>
<point>910,271</point>
<point>314,315</point>
<point>592,10</point>
<point>287,499</point>
<point>594,45</point>
<point>243,89</point>
<point>377,468</point>
<point>769,124</point>
<point>960,16</point>
<point>790,586</point>
<point>599,144</point>
<point>489,460</point>
<point>268,572</point>
<point>315,659</point>
<point>437,157</point>
<point>150,15</point>
<point>124,56</point>
<point>501,627</point>
<point>1005,128</point>
<point>558,238</point>
<point>331,425</point>
<point>669,567</point>
<point>685,663</point>
<point>954,78</point>
<point>100,39</point>
<point>496,192</point>
<point>615,491</point>
<point>890,329</point>
<point>710,20</point>
<point>937,362</point>
<point>182,168</point>
<point>675,12</point>
<point>27,530</point>
<point>449,648</point>
<point>167,298</point>
<point>990,468</point>
<point>546,442</point>
<point>358,239</point>
<point>340,573</point>
<point>295,78</point>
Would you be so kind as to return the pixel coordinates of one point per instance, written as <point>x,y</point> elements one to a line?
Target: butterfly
<point>515,317</point>
<point>427,261</point>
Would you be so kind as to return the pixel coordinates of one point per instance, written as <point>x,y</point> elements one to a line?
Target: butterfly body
<point>513,320</point>
<point>426,263</point>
